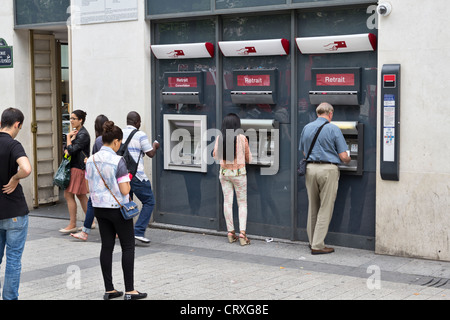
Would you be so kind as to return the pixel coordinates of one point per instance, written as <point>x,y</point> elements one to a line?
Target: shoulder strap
<point>130,137</point>
<point>93,158</point>
<point>315,138</point>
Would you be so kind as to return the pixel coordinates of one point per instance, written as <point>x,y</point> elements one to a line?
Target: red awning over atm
<point>246,48</point>
<point>337,44</point>
<point>183,50</point>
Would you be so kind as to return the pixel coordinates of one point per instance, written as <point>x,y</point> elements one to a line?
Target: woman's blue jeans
<point>143,191</point>
<point>13,234</point>
<point>89,217</point>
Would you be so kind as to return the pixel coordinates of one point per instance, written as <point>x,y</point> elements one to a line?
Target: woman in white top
<point>106,167</point>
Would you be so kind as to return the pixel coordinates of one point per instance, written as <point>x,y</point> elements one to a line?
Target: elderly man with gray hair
<point>322,174</point>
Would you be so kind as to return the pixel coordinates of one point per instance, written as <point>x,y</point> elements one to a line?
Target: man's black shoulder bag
<point>123,151</point>
<point>302,164</point>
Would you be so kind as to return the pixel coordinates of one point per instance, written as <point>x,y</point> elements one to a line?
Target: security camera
<point>384,9</point>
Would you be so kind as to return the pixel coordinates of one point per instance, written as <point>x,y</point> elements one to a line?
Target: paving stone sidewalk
<point>185,265</point>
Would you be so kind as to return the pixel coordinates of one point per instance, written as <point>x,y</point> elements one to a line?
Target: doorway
<point>51,111</point>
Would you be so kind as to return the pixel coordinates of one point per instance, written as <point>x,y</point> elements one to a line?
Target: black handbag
<point>301,170</point>
<point>129,210</point>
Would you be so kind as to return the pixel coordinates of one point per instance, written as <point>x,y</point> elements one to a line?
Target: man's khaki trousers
<point>322,182</point>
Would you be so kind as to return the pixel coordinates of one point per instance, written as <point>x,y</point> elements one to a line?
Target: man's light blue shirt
<point>138,144</point>
<point>329,144</point>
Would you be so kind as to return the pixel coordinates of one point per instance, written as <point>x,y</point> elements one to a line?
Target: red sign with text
<point>262,80</point>
<point>335,79</point>
<point>182,82</point>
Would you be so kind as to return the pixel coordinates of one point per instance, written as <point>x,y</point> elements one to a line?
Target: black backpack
<point>123,151</point>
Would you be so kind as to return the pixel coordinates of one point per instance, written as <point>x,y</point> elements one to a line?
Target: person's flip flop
<point>80,236</point>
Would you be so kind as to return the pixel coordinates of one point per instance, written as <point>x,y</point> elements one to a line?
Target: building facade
<point>184,65</point>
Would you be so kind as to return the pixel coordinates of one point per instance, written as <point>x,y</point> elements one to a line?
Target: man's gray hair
<point>324,108</point>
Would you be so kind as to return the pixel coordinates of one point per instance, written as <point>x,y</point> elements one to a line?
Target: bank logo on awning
<point>176,53</point>
<point>335,45</point>
<point>246,51</point>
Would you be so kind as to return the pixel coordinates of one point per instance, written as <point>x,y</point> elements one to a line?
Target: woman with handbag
<point>233,175</point>
<point>77,147</point>
<point>109,185</point>
<point>89,221</point>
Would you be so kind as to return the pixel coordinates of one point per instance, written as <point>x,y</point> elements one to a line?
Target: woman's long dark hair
<point>228,138</point>
<point>98,124</point>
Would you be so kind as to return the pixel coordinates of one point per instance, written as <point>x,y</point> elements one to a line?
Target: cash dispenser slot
<point>353,132</point>
<point>258,86</point>
<point>183,87</point>
<point>263,140</point>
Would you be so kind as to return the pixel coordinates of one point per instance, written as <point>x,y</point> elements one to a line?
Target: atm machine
<point>185,149</point>
<point>259,86</point>
<point>353,132</point>
<point>263,140</point>
<point>342,87</point>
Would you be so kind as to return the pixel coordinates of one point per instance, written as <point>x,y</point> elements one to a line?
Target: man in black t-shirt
<point>14,166</point>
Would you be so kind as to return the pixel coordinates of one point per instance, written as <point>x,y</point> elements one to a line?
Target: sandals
<point>232,237</point>
<point>243,240</point>
<point>80,235</point>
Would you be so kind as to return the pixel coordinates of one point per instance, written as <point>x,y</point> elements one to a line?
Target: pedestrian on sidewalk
<point>232,150</point>
<point>89,220</point>
<point>138,147</point>
<point>109,182</point>
<point>14,166</point>
<point>322,174</point>
<point>77,147</point>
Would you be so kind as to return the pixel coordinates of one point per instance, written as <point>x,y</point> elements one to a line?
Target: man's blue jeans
<point>143,191</point>
<point>13,234</point>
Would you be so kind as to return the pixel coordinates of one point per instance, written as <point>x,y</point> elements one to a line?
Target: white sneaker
<point>142,239</point>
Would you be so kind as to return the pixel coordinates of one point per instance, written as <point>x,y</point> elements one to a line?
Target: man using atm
<point>322,174</point>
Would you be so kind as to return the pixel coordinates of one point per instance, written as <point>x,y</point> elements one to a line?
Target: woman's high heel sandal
<point>243,240</point>
<point>232,237</point>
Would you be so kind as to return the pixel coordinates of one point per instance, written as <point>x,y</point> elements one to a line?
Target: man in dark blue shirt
<point>322,174</point>
<point>14,166</point>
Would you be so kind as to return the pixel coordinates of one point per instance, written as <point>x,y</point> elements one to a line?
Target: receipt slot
<point>390,122</point>
<point>353,132</point>
<point>183,87</point>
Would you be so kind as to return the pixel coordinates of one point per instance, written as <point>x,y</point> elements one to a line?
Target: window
<point>41,11</point>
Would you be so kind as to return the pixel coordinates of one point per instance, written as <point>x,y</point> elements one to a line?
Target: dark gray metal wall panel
<point>354,213</point>
<point>195,199</point>
<point>189,198</point>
